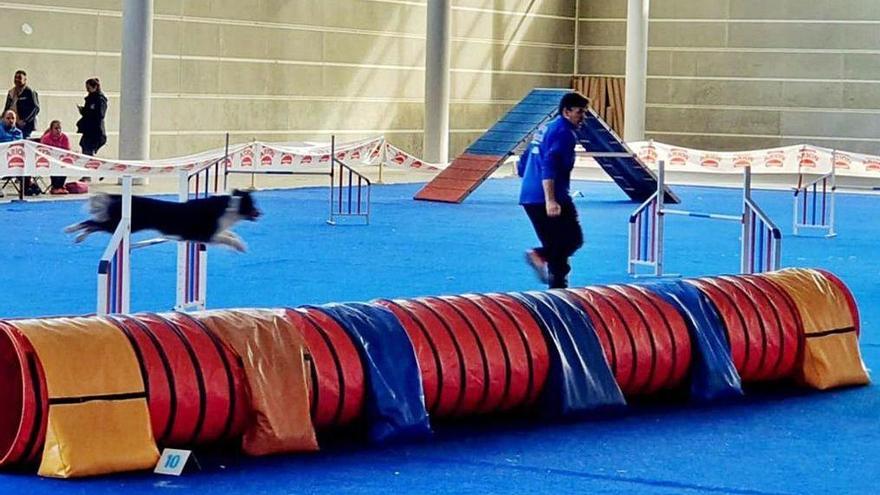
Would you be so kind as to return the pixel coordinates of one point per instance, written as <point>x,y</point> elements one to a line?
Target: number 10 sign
<point>172,461</point>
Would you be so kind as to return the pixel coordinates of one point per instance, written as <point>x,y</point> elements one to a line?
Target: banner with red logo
<point>785,160</point>
<point>27,158</point>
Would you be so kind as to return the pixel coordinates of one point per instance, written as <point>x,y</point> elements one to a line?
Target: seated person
<point>56,138</point>
<point>8,131</point>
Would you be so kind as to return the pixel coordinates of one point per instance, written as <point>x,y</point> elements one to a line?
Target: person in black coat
<point>91,124</point>
<point>25,102</point>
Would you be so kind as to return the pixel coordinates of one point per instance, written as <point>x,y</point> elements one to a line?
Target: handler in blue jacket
<point>545,193</point>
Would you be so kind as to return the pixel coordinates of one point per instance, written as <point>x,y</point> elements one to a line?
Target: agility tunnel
<point>93,395</point>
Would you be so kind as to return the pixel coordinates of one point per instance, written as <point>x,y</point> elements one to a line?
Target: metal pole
<point>577,38</point>
<point>636,69</point>
<point>658,219</point>
<point>746,250</point>
<point>137,69</point>
<point>182,247</point>
<point>226,164</point>
<point>125,245</point>
<point>436,142</point>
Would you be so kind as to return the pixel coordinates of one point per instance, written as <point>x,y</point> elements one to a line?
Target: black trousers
<point>560,237</point>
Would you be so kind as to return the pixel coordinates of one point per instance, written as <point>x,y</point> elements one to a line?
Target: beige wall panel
<point>195,76</point>
<point>765,65</point>
<point>811,94</point>
<point>807,35</point>
<point>702,34</point>
<point>243,42</point>
<point>288,44</point>
<point>486,25</point>
<point>369,82</point>
<point>605,62</point>
<point>513,58</point>
<point>257,78</point>
<point>167,76</point>
<point>374,16</point>
<point>805,9</point>
<point>368,49</point>
<point>852,145</point>
<point>607,9</point>
<point>831,124</point>
<point>252,10</point>
<point>564,8</point>
<point>109,34</point>
<point>167,7</point>
<point>721,121</point>
<point>76,4</point>
<point>166,37</point>
<point>476,85</point>
<point>476,116</point>
<point>295,12</point>
<point>685,9</point>
<point>860,95</point>
<point>373,117</point>
<point>51,30</point>
<point>199,39</point>
<point>861,66</point>
<point>602,33</point>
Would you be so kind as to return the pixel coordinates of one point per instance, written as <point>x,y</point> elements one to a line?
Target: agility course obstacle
<point>760,244</point>
<point>275,380</point>
<point>813,203</point>
<point>470,169</point>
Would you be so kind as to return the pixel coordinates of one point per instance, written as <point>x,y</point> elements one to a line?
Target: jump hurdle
<point>114,267</point>
<point>761,241</point>
<point>813,203</point>
<point>349,192</point>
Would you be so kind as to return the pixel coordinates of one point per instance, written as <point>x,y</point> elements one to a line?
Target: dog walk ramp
<point>618,161</point>
<point>487,153</point>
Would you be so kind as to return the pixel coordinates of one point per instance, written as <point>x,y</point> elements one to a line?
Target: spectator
<point>25,102</point>
<point>56,138</point>
<point>91,124</point>
<point>8,132</point>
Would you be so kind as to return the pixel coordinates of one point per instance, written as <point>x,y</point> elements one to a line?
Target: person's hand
<point>553,209</point>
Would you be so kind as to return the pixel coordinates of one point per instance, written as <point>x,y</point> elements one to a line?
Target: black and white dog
<point>202,220</point>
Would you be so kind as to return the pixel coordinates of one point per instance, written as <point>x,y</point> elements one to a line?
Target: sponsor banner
<point>271,157</point>
<point>28,158</point>
<point>397,158</point>
<point>786,160</point>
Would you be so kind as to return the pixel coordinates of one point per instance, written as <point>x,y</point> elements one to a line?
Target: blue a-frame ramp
<point>489,151</point>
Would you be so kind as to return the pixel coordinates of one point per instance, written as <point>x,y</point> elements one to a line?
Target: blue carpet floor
<point>770,443</point>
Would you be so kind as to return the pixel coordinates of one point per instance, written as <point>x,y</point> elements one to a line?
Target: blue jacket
<point>7,135</point>
<point>550,156</point>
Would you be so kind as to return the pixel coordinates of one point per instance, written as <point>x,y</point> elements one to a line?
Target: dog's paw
<point>72,228</point>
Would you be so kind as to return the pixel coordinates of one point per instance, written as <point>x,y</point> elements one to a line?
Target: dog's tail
<point>99,207</point>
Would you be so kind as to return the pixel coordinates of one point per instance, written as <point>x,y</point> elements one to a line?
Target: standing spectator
<point>56,138</point>
<point>545,193</point>
<point>8,132</point>
<point>91,124</point>
<point>25,102</point>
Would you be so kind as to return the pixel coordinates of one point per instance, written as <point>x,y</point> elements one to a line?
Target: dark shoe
<point>538,264</point>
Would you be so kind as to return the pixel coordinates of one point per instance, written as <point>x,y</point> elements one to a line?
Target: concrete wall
<point>742,74</point>
<point>282,70</point>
